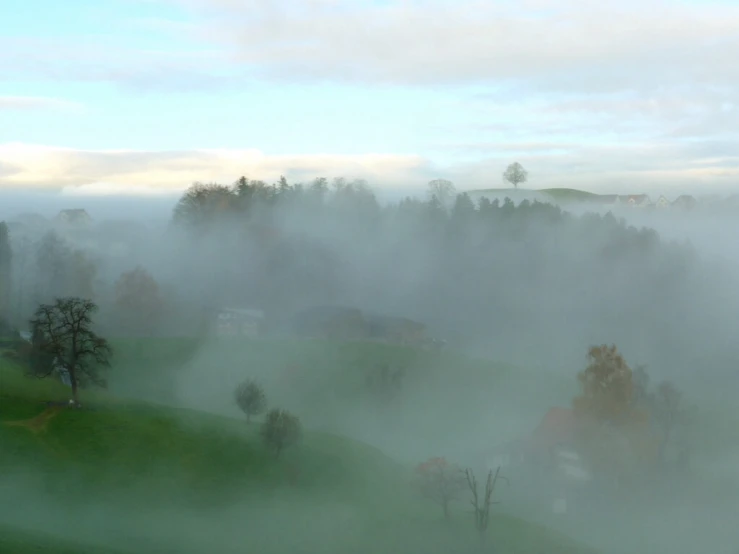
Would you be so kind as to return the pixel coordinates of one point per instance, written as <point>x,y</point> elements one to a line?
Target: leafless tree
<point>669,412</point>
<point>482,506</point>
<point>443,190</point>
<point>66,327</point>
<point>440,481</point>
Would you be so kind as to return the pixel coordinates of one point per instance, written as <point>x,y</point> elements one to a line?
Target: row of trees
<point>37,272</point>
<point>280,428</point>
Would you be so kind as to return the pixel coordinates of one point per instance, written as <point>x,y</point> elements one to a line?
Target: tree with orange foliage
<point>607,387</point>
<point>440,481</point>
<point>613,428</point>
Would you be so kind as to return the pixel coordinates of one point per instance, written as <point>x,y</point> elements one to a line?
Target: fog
<point>517,290</point>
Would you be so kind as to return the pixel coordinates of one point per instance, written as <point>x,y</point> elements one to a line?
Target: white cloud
<point>605,168</point>
<point>569,45</point>
<point>141,172</point>
<point>32,103</point>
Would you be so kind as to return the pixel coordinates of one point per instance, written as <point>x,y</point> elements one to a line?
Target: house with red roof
<point>552,446</point>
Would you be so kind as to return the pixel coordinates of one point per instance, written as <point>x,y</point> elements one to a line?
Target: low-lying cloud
<point>141,172</point>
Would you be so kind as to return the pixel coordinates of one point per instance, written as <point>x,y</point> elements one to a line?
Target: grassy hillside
<point>557,194</point>
<point>447,403</point>
<point>177,480</point>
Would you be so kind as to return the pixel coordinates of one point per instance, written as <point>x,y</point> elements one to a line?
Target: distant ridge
<point>565,196</point>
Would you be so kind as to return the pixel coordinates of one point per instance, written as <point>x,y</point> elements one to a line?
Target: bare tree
<point>443,190</point>
<point>250,398</point>
<point>482,506</point>
<point>66,328</point>
<point>515,174</point>
<point>440,482</point>
<point>280,430</point>
<point>669,412</point>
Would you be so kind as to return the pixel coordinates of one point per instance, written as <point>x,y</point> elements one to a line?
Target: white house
<point>240,322</point>
<point>662,202</point>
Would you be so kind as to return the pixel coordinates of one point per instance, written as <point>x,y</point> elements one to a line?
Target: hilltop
<point>208,476</point>
<point>566,196</point>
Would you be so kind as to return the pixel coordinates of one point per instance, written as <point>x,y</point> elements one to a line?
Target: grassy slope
<point>557,194</point>
<point>205,460</point>
<point>15,541</point>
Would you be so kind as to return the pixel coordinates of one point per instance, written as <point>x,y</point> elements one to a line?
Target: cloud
<point>33,103</point>
<point>571,45</point>
<point>652,166</point>
<point>140,172</point>
<point>534,46</point>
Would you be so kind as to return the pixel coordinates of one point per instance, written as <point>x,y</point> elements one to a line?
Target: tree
<point>52,254</point>
<point>81,272</point>
<point>203,204</point>
<point>250,398</point>
<point>606,385</point>
<point>280,430</point>
<point>40,355</point>
<point>482,506</point>
<point>443,190</point>
<point>669,412</point>
<point>65,332</point>
<point>6,257</point>
<point>138,301</point>
<point>515,174</point>
<point>440,481</point>
<point>640,397</point>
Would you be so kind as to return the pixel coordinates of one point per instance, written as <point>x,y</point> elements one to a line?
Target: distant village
<point>684,201</point>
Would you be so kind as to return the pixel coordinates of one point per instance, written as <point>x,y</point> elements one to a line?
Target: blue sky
<point>148,95</point>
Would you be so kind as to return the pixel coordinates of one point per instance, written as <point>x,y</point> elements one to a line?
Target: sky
<point>148,96</point>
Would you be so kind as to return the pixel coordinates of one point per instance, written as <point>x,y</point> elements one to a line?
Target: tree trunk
<point>75,388</point>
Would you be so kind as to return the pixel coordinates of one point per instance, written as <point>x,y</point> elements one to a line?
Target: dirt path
<point>39,423</point>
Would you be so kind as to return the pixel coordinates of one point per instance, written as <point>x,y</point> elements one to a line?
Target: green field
<point>556,194</point>
<point>128,476</point>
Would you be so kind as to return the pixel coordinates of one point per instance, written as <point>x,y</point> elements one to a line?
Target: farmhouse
<point>635,200</point>
<point>240,322</point>
<point>399,330</point>
<point>346,323</point>
<point>330,322</point>
<point>662,202</point>
<point>685,201</point>
<point>551,448</point>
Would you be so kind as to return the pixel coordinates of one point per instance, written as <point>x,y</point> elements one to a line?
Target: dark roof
<point>324,314</point>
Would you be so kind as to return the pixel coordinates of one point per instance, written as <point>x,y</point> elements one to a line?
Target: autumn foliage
<point>440,481</point>
<point>623,426</point>
<point>606,385</point>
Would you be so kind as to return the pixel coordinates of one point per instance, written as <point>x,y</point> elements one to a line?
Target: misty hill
<point>446,401</point>
<point>148,479</point>
<point>558,195</point>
